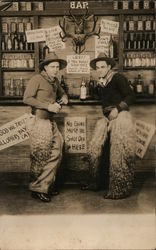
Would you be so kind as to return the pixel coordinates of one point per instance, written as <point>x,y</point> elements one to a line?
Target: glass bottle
<point>148,24</point>
<point>151,88</point>
<point>63,84</point>
<point>146,4</point>
<point>9,43</point>
<point>45,51</point>
<point>111,48</point>
<point>83,90</point>
<point>139,86</point>
<point>91,87</point>
<point>3,45</point>
<point>125,4</point>
<point>5,27</point>
<point>131,24</point>
<point>13,27</point>
<point>136,4</point>
<point>140,24</point>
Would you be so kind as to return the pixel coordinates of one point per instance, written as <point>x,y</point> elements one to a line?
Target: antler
<point>93,29</point>
<point>64,30</point>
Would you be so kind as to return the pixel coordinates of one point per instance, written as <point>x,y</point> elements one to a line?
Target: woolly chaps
<point>122,153</point>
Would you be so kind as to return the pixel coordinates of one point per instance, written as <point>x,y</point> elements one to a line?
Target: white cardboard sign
<point>144,133</point>
<point>109,26</point>
<point>53,39</point>
<point>14,132</point>
<point>102,44</point>
<point>36,35</point>
<point>75,134</point>
<point>78,64</point>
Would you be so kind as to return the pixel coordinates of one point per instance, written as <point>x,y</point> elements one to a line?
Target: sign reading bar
<point>53,39</point>
<point>14,132</point>
<point>37,35</point>
<point>102,45</point>
<point>75,134</point>
<point>78,64</point>
<point>144,133</point>
<point>110,27</point>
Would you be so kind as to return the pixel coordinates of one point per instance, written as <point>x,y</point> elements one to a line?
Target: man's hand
<point>55,107</point>
<point>113,114</point>
<point>63,100</point>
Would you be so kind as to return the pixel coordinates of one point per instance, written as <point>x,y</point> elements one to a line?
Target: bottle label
<point>21,27</point>
<point>151,89</point>
<point>131,25</point>
<point>136,5</point>
<point>4,28</point>
<point>146,4</point>
<point>139,88</point>
<point>83,93</point>
<point>140,25</point>
<point>125,5</point>
<point>148,25</point>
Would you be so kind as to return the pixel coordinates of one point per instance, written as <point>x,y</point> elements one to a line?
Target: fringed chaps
<point>122,153</point>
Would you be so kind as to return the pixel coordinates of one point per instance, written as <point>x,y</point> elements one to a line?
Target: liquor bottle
<point>143,41</point>
<point>135,42</point>
<point>140,26</point>
<point>83,90</point>
<point>151,4</point>
<point>131,41</point>
<point>9,43</point>
<point>146,4</point>
<point>131,4</point>
<point>141,4</point>
<point>148,24</point>
<point>40,6</point>
<point>28,26</point>
<point>13,27</point>
<point>21,43</point>
<point>21,87</point>
<point>111,48</point>
<point>5,27</point>
<point>20,27</point>
<point>63,84</point>
<point>139,86</point>
<point>151,88</point>
<point>136,4</point>
<point>120,4</point>
<point>131,24</point>
<point>153,41</point>
<point>28,6</point>
<point>125,40</point>
<point>115,5</point>
<point>91,87</point>
<point>125,4</point>
<point>139,37</point>
<point>45,50</point>
<point>147,46</point>
<point>3,45</point>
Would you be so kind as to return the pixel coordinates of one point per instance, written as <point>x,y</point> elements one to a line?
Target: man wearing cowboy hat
<point>46,142</point>
<point>114,135</point>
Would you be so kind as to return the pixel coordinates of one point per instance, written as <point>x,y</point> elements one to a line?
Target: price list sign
<point>102,45</point>
<point>75,134</point>
<point>78,64</point>
<point>53,39</point>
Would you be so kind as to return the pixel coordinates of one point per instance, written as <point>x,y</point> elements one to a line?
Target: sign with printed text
<point>110,27</point>
<point>14,132</point>
<point>78,64</point>
<point>102,45</point>
<point>75,134</point>
<point>37,35</point>
<point>144,133</point>
<point>53,39</point>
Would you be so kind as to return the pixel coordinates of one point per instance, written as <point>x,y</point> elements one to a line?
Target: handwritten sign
<point>37,35</point>
<point>53,39</point>
<point>78,64</point>
<point>75,134</point>
<point>14,132</point>
<point>110,27</point>
<point>102,45</point>
<point>144,133</point>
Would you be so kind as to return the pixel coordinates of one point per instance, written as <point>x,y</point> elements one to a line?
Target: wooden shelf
<point>17,51</point>
<point>139,31</point>
<point>138,68</point>
<point>139,50</point>
<point>17,69</point>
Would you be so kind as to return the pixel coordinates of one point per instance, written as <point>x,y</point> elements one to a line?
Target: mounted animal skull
<point>79,37</point>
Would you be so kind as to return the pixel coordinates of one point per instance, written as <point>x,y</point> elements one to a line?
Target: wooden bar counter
<point>74,166</point>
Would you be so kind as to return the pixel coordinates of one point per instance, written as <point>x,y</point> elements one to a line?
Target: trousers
<point>122,145</point>
<point>46,145</point>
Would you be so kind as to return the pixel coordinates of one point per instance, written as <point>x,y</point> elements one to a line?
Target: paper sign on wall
<point>14,132</point>
<point>102,45</point>
<point>75,134</point>
<point>144,133</point>
<point>53,39</point>
<point>110,27</point>
<point>78,64</point>
<point>37,35</point>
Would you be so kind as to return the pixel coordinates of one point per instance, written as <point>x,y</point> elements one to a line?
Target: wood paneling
<point>16,158</point>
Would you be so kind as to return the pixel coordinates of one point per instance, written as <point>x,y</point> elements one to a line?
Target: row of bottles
<point>27,6</point>
<point>136,41</point>
<point>16,27</point>
<point>14,87</point>
<point>139,60</point>
<point>15,42</point>
<point>139,23</point>
<point>18,61</point>
<point>134,4</point>
<point>89,89</point>
<point>140,88</point>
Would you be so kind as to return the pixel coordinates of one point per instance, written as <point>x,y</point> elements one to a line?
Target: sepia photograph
<point>77,125</point>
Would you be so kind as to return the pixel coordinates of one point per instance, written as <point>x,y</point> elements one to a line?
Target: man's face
<point>102,68</point>
<point>52,69</point>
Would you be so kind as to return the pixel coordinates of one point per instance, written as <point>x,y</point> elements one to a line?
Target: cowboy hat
<point>52,57</point>
<point>102,57</point>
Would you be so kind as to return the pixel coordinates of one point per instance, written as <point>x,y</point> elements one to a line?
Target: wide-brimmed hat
<point>102,57</point>
<point>52,57</point>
